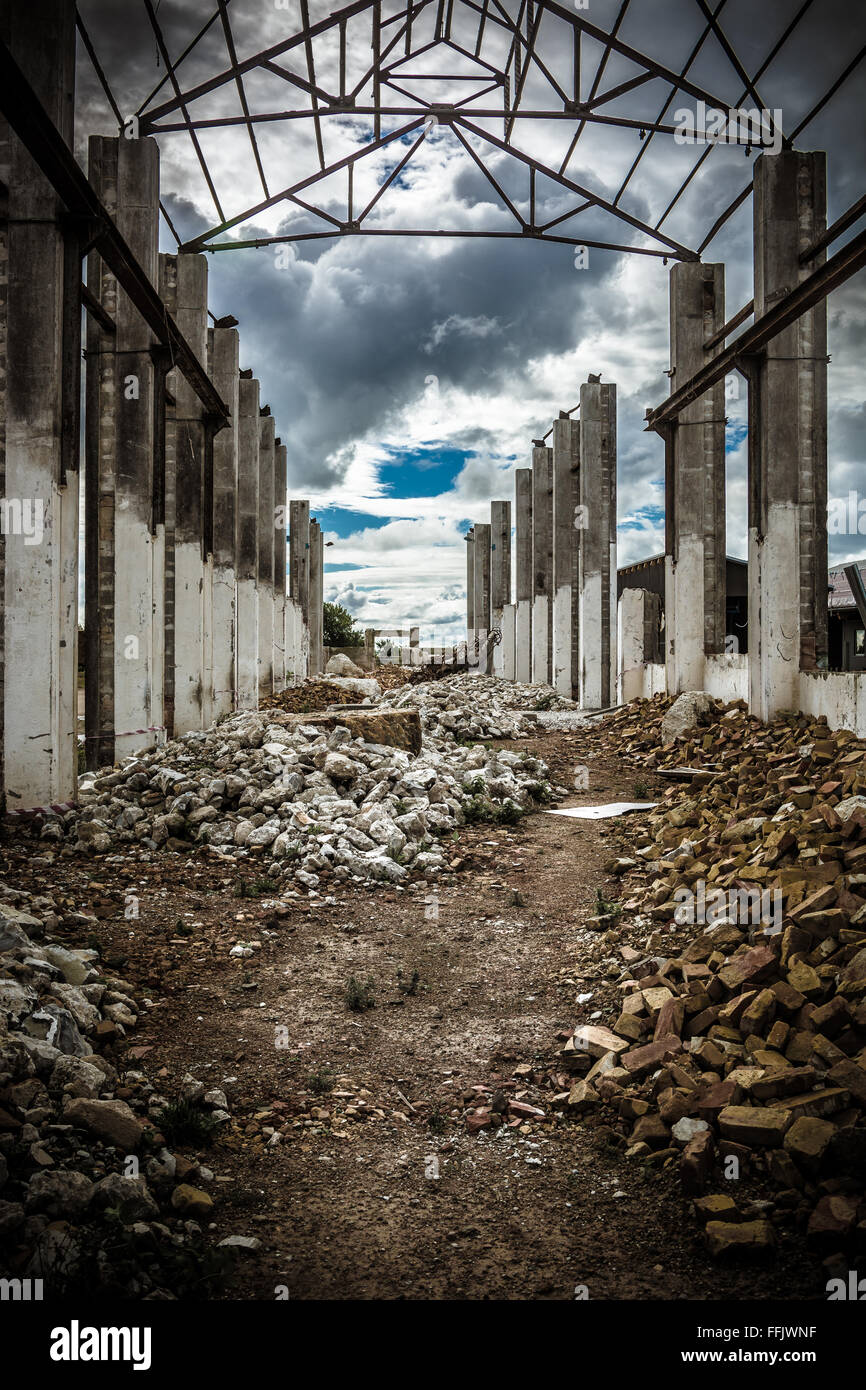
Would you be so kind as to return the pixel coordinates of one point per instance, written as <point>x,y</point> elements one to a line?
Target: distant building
<point>846,631</point>
<point>846,634</point>
<point>650,574</point>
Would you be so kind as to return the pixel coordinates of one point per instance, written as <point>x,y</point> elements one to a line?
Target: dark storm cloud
<point>340,358</point>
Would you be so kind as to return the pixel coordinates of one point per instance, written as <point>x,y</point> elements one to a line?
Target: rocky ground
<point>505,1068</point>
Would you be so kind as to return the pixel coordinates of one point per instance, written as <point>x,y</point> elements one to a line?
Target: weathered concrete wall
<point>788,459</point>
<point>598,544</point>
<point>523,574</point>
<point>359,655</point>
<point>695,490</point>
<point>481,548</point>
<point>190,569</point>
<point>840,696</point>
<point>470,591</point>
<point>507,667</point>
<point>727,677</point>
<point>542,565</point>
<point>317,585</point>
<point>637,638</point>
<point>298,656</point>
<point>248,544</point>
<point>42,332</point>
<point>500,576</point>
<point>566,556</point>
<point>281,553</point>
<point>224,358</point>
<point>265,587</point>
<point>297,644</point>
<point>166,466</point>
<point>124,692</point>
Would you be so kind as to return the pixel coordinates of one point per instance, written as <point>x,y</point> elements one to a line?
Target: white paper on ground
<point>613,808</point>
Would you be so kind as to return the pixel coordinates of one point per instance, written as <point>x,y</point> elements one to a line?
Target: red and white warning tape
<point>56,808</point>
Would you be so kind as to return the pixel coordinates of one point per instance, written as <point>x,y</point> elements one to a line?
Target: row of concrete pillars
<point>185,518</point>
<point>560,630</point>
<point>786,383</point>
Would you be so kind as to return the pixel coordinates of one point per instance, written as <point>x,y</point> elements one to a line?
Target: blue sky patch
<point>343,521</point>
<point>423,472</point>
<point>735,432</point>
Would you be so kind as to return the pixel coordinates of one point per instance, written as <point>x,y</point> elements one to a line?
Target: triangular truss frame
<point>387,99</point>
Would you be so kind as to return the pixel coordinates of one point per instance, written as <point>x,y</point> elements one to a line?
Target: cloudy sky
<point>408,376</point>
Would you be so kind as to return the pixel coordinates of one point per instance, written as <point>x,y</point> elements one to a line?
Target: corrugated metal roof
<point>840,595</point>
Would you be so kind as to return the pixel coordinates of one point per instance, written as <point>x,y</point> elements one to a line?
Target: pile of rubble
<point>472,707</point>
<point>89,1191</point>
<point>740,1042</point>
<point>368,795</point>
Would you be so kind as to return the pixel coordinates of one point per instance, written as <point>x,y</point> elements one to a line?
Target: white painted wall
<point>523,641</point>
<point>504,655</point>
<point>590,642</point>
<point>629,645</point>
<point>839,695</point>
<point>247,645</point>
<point>540,654</point>
<point>727,677</point>
<point>562,640</point>
<point>280,642</point>
<point>266,641</point>
<point>207,601</point>
<point>774,612</point>
<point>684,603</point>
<point>189,637</point>
<point>223,618</point>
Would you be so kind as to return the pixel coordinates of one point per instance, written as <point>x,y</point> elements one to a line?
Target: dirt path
<point>372,1104</point>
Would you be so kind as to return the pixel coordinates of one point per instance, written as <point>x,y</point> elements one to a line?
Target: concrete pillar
<point>481,548</point>
<point>470,595</point>
<point>598,544</point>
<point>299,584</point>
<point>223,357</point>
<point>542,565</point>
<point>280,557</point>
<point>123,680</point>
<point>639,612</point>
<point>500,575</point>
<point>566,550</point>
<point>192,698</point>
<point>695,486</point>
<point>523,575</point>
<point>266,554</point>
<point>788,434</point>
<point>317,580</point>
<point>247,640</point>
<point>506,664</point>
<point>297,644</point>
<point>166,468</point>
<point>40,321</point>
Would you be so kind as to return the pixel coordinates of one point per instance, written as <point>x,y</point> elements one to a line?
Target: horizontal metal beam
<point>528,234</point>
<point>40,137</point>
<point>835,230</point>
<point>96,311</point>
<point>727,329</point>
<point>572,112</point>
<point>833,273</point>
